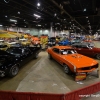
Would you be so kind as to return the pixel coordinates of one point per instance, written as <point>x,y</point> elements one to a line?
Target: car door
<point>26,55</point>
<point>56,54</point>
<point>85,50</point>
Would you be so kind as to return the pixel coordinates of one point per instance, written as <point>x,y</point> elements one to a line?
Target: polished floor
<point>44,75</point>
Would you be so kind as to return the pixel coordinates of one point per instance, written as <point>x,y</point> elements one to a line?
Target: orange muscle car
<point>71,60</point>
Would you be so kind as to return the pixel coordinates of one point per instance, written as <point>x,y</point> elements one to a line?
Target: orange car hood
<point>79,60</point>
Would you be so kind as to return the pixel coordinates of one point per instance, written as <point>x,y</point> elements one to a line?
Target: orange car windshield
<point>68,51</point>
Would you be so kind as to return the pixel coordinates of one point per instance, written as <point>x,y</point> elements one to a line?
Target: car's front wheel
<point>98,56</point>
<point>14,71</point>
<point>66,69</point>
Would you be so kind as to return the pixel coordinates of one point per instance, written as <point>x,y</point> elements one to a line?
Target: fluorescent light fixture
<point>38,4</point>
<point>37,15</point>
<point>1,25</point>
<point>38,25</point>
<point>12,20</point>
<point>87,17</point>
<point>5,16</point>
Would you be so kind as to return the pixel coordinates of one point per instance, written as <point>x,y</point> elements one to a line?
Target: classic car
<point>24,42</point>
<point>35,41</point>
<point>87,49</point>
<point>14,57</point>
<point>51,41</point>
<point>76,41</point>
<point>71,60</point>
<point>64,42</point>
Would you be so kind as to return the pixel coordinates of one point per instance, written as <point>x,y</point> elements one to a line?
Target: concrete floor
<point>44,75</point>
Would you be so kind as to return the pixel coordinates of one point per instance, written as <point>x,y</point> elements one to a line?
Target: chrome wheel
<point>66,69</point>
<point>14,71</point>
<point>98,56</point>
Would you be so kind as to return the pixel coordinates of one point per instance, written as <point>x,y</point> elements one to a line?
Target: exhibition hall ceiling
<point>74,15</point>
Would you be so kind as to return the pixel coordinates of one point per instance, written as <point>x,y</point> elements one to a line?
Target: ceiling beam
<point>54,2</point>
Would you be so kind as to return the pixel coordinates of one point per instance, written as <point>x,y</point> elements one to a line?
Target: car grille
<point>90,67</point>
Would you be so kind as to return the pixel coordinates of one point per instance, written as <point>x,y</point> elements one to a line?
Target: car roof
<point>63,47</point>
<point>84,43</point>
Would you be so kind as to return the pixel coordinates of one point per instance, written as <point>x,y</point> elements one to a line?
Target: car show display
<point>71,61</point>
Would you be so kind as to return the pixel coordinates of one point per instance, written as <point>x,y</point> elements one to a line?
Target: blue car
<point>65,42</point>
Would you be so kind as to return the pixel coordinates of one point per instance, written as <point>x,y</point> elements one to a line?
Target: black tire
<point>14,71</point>
<point>67,69</point>
<point>98,56</point>
<point>49,56</point>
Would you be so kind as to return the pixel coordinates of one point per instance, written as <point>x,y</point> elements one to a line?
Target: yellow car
<point>24,42</point>
<point>10,44</point>
<point>3,47</point>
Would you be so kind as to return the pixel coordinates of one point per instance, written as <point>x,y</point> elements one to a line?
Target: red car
<point>87,49</point>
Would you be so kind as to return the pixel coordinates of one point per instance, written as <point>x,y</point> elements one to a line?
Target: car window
<point>56,50</point>
<point>66,51</point>
<point>26,51</point>
<point>14,51</point>
<point>84,46</point>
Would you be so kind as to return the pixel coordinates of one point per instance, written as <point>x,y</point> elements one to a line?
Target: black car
<point>52,41</point>
<point>13,58</point>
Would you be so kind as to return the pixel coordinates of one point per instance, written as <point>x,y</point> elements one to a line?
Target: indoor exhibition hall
<point>49,49</point>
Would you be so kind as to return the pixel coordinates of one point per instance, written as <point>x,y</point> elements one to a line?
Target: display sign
<point>80,76</point>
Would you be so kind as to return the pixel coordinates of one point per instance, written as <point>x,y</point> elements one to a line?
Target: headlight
<point>74,68</point>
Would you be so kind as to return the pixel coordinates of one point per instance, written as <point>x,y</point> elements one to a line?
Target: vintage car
<point>24,42</point>
<point>3,47</point>
<point>76,41</point>
<point>64,42</point>
<point>14,57</point>
<point>51,41</point>
<point>35,41</point>
<point>87,49</point>
<point>71,60</point>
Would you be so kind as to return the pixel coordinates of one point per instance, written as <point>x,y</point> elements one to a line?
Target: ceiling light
<point>18,12</point>
<point>38,4</point>
<point>38,25</point>
<point>55,14</point>
<point>1,25</point>
<point>84,9</point>
<point>37,15</point>
<point>12,20</point>
<point>24,20</point>
<point>5,16</point>
<point>24,26</point>
<point>87,17</point>
<point>15,23</point>
<point>88,21</point>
